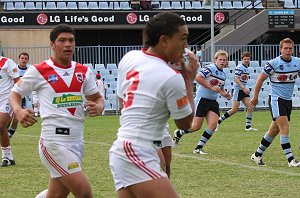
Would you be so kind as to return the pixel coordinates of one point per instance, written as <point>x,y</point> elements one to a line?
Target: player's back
<point>141,86</point>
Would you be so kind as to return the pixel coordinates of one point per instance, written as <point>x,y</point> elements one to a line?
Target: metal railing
<point>113,54</point>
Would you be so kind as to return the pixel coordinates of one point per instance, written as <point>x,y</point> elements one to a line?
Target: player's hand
<point>246,91</point>
<point>190,67</point>
<point>228,96</point>
<point>92,108</point>
<point>26,117</point>
<point>253,102</point>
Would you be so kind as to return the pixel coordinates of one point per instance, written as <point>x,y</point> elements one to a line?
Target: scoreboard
<point>281,19</point>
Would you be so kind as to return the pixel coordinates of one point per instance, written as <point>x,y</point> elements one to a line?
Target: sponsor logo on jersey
<point>52,78</point>
<point>214,82</point>
<point>69,100</point>
<point>244,77</point>
<point>73,165</point>
<point>182,102</point>
<point>15,70</point>
<point>282,78</point>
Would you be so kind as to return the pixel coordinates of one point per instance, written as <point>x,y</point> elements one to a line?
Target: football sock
<point>42,194</point>
<point>204,138</point>
<point>264,144</point>
<point>248,120</point>
<point>224,117</point>
<point>6,153</point>
<point>286,147</point>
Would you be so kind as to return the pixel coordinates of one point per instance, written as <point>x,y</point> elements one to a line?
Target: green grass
<point>226,171</point>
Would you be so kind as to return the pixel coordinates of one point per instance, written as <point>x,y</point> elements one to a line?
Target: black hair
<point>24,53</point>
<point>61,28</point>
<point>164,23</point>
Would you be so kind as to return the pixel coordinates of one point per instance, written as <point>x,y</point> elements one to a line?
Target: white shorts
<point>132,164</point>
<point>61,158</point>
<point>5,107</point>
<point>167,139</point>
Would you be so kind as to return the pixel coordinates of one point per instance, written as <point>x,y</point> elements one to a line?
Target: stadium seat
<point>226,70</point>
<point>232,64</point>
<point>39,5</point>
<point>19,6</point>
<point>124,5</point>
<point>114,72</point>
<point>104,72</point>
<point>103,5</point>
<point>258,69</point>
<point>113,85</point>
<point>176,5</point>
<point>109,91</point>
<point>92,5</point>
<point>108,78</point>
<point>254,64</point>
<point>114,5</point>
<point>187,5</point>
<point>9,6</point>
<point>83,5</point>
<point>111,66</point>
<point>99,66</point>
<point>258,4</point>
<point>107,105</point>
<point>29,5</point>
<point>61,5</point>
<point>72,5</point>
<point>50,5</point>
<point>165,5</point>
<point>111,97</point>
<point>289,4</point>
<point>155,5</point>
<point>114,105</point>
<point>226,5</point>
<point>196,5</point>
<point>254,76</point>
<point>237,5</point>
<point>296,102</point>
<point>247,4</point>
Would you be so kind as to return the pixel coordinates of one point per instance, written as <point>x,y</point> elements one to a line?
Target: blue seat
<point>29,5</point>
<point>83,5</point>
<point>155,5</point>
<point>196,5</point>
<point>9,6</point>
<point>187,5</point>
<point>50,5</point>
<point>226,5</point>
<point>237,5</point>
<point>111,66</point>
<point>104,72</point>
<point>289,4</point>
<point>61,5</point>
<point>258,4</point>
<point>99,66</point>
<point>247,4</point>
<point>165,5</point>
<point>72,5</point>
<point>19,6</point>
<point>108,78</point>
<point>114,5</point>
<point>254,64</point>
<point>176,5</point>
<point>124,5</point>
<point>92,5</point>
<point>103,5</point>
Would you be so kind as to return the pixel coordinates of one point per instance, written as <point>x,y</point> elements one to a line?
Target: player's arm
<point>94,104</point>
<point>24,116</point>
<point>225,94</point>
<point>201,80</point>
<point>241,85</point>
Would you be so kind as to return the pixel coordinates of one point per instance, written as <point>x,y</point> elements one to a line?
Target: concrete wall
<point>24,37</point>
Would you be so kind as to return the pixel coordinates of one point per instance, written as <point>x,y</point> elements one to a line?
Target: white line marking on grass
<point>257,168</point>
<point>267,169</point>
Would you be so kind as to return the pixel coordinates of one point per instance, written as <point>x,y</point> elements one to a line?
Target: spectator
<point>146,4</point>
<point>135,4</point>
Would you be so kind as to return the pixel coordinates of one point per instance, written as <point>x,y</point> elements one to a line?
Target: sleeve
<point>238,72</point>
<point>12,70</point>
<point>205,72</point>
<point>90,86</point>
<point>175,95</point>
<point>29,82</point>
<point>269,67</point>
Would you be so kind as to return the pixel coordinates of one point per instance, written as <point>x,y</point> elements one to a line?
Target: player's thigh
<point>154,188</point>
<point>125,193</point>
<point>78,184</point>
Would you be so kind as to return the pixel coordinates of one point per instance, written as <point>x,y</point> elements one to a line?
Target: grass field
<point>226,171</point>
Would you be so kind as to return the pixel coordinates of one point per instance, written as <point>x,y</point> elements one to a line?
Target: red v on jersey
<point>2,62</point>
<point>58,84</point>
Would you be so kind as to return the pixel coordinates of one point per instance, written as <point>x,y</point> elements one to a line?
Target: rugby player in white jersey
<point>151,92</point>
<point>60,84</point>
<point>8,76</point>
